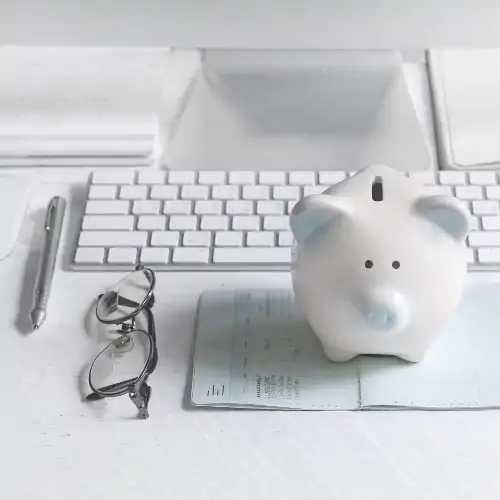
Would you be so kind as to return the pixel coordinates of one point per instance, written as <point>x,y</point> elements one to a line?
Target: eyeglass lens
<point>125,298</point>
<point>123,359</point>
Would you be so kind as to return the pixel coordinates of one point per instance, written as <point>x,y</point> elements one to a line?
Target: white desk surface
<point>54,445</point>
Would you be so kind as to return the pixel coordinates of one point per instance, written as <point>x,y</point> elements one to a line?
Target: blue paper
<point>254,348</point>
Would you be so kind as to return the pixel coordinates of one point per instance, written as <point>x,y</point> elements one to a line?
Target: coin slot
<point>377,189</point>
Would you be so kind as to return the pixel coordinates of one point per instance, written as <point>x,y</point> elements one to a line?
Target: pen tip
<point>37,316</point>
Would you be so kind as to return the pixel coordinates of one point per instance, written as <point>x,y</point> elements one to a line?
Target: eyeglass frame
<point>137,388</point>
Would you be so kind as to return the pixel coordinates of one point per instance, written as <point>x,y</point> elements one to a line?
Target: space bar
<point>252,255</point>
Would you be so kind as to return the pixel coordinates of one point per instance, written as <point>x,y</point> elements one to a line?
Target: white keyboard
<point>180,220</point>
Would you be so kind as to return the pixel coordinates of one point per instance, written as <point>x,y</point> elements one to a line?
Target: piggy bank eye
<point>368,264</point>
<point>396,264</point>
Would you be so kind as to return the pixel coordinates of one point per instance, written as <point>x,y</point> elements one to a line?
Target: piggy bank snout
<point>383,310</point>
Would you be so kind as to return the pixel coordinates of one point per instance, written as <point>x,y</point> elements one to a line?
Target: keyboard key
<point>493,192</point>
<point>239,207</point>
<point>256,192</point>
<point>119,176</point>
<point>451,178</point>
<point>102,192</point>
<point>286,193</point>
<point>484,239</point>
<point>485,207</point>
<point>277,222</point>
<point>183,222</point>
<point>155,255</point>
<point>309,190</point>
<point>228,238</point>
<point>469,192</point>
<point>260,239</point>
<point>285,239</point>
<point>211,207</point>
<point>89,256</point>
<point>436,190</point>
<point>118,207</point>
<point>270,207</point>
<point>490,223</point>
<point>165,238</point>
<point>181,177</point>
<point>157,222</point>
<point>178,207</point>
<point>225,192</point>
<point>194,193</point>
<point>151,177</point>
<point>246,222</point>
<point>111,222</point>
<point>197,238</point>
<point>331,177</point>
<point>242,177</point>
<point>302,178</point>
<point>252,255</point>
<point>423,177</point>
<point>113,239</point>
<point>191,255</point>
<point>482,178</point>
<point>488,255</point>
<point>146,207</point>
<point>164,193</point>
<point>133,192</point>
<point>272,177</point>
<point>211,177</point>
<point>122,255</point>
<point>214,222</point>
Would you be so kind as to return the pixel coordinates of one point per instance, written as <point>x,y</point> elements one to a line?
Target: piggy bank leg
<point>412,357</point>
<point>338,355</point>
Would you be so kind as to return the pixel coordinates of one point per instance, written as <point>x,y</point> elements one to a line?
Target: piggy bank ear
<point>313,214</point>
<point>446,213</point>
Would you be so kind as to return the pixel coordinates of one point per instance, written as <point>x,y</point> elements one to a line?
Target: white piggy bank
<point>379,265</point>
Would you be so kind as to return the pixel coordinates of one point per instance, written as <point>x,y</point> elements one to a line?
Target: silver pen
<point>53,228</point>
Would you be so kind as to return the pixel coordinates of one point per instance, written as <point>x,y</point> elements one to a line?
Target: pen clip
<point>51,210</point>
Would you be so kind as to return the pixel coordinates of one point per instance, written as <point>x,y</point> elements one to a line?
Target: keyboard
<point>238,221</point>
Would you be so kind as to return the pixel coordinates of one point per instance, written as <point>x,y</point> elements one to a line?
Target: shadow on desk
<point>76,205</point>
<point>23,322</point>
<point>72,224</point>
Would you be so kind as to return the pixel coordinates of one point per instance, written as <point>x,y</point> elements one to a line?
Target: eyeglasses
<point>125,364</point>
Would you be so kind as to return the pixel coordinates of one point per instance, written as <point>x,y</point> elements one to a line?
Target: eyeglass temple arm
<point>123,301</point>
<point>125,384</point>
<point>113,387</point>
<point>140,394</point>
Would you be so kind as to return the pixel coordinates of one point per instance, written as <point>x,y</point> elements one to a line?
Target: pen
<point>52,229</point>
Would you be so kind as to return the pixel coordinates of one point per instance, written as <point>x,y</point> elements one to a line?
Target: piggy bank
<point>379,265</point>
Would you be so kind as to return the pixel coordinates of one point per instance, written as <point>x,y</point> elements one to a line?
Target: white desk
<point>53,445</point>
